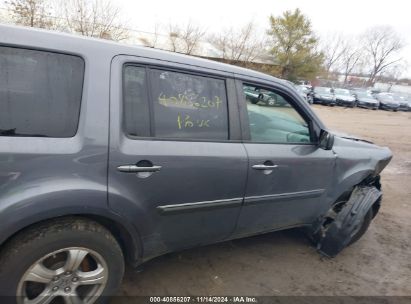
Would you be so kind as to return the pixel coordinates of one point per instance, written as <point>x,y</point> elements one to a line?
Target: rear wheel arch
<point>129,241</point>
<point>70,252</point>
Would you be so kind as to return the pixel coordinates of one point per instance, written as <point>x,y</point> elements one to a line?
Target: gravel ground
<point>284,263</point>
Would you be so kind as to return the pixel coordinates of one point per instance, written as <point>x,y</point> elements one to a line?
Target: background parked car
<point>304,91</point>
<point>405,102</point>
<point>301,92</point>
<point>388,101</point>
<point>365,99</point>
<point>307,91</point>
<point>251,94</point>
<point>259,95</point>
<point>324,95</point>
<point>344,98</point>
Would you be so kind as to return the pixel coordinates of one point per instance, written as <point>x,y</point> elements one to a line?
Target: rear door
<point>288,174</point>
<point>176,162</point>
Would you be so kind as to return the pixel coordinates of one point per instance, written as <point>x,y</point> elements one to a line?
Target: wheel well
<point>131,249</point>
<point>369,180</point>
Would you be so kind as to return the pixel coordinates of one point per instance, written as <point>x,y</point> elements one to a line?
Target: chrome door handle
<point>137,169</point>
<point>264,167</point>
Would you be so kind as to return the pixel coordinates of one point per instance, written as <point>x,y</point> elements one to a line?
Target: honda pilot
<point>113,154</point>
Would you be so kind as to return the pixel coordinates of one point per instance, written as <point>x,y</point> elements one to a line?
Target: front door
<point>288,174</point>
<point>171,156</point>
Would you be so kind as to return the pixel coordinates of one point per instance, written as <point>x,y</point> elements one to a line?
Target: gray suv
<point>111,154</point>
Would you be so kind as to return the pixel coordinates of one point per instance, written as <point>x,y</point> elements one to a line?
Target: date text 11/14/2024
<point>204,299</point>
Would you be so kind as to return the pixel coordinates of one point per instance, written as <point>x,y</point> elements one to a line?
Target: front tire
<point>72,258</point>
<point>363,227</point>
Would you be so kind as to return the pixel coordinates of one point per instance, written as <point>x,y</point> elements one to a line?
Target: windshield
<point>398,98</point>
<point>342,92</point>
<point>322,90</point>
<point>364,94</point>
<point>386,97</point>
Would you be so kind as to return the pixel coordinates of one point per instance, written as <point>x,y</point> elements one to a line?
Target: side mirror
<point>326,140</point>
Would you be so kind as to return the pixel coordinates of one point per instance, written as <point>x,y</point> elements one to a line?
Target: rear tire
<point>71,256</point>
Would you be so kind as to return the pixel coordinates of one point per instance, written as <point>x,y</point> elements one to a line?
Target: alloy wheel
<point>70,275</point>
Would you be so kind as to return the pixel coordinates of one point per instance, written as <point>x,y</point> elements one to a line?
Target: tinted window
<point>136,108</point>
<point>178,105</point>
<point>189,106</point>
<point>272,118</point>
<point>40,93</point>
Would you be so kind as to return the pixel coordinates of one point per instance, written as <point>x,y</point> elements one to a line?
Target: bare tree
<point>382,45</point>
<point>152,41</point>
<point>173,37</point>
<point>94,18</point>
<point>185,39</point>
<point>351,57</point>
<point>333,47</point>
<point>394,71</point>
<point>33,13</point>
<point>191,36</point>
<point>239,45</point>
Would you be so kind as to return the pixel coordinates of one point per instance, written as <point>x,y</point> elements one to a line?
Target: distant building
<point>263,63</point>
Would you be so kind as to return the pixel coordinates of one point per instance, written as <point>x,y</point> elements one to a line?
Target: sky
<point>348,17</point>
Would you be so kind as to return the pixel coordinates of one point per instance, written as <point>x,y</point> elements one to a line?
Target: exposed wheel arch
<point>347,220</point>
<point>317,230</point>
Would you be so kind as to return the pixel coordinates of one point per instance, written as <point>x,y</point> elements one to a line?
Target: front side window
<point>40,93</point>
<point>272,118</point>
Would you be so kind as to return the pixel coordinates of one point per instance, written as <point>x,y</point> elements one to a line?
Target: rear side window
<point>178,105</point>
<point>40,93</point>
<point>136,108</point>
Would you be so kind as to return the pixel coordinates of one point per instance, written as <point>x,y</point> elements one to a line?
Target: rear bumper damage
<point>336,229</point>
